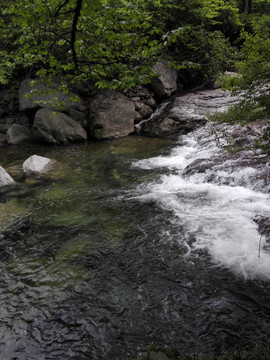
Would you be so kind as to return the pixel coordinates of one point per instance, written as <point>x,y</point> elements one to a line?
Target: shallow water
<point>119,249</point>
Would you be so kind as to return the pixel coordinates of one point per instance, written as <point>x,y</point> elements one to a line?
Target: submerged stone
<point>11,213</point>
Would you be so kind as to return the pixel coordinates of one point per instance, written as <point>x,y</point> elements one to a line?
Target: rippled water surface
<point>118,249</point>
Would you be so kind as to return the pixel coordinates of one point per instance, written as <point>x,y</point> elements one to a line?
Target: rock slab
<point>187,112</point>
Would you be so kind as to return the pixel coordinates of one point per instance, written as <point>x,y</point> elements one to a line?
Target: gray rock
<point>161,127</point>
<point>137,118</point>
<point>139,92</point>
<point>5,178</point>
<point>78,116</point>
<point>151,102</point>
<point>23,120</point>
<point>13,105</point>
<point>4,128</point>
<point>138,105</point>
<point>10,119</point>
<point>145,110</point>
<point>187,112</point>
<point>112,115</point>
<point>42,96</point>
<point>3,139</point>
<point>18,135</point>
<point>136,98</point>
<point>37,165</point>
<point>82,108</point>
<point>20,119</point>
<point>166,83</point>
<point>54,127</point>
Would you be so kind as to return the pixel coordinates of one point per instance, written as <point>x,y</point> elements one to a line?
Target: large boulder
<point>18,135</point>
<point>37,165</point>
<point>54,127</point>
<point>5,178</point>
<point>166,83</point>
<point>187,112</point>
<point>33,94</point>
<point>112,115</point>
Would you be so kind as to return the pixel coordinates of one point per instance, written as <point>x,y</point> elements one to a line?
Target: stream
<point>121,247</point>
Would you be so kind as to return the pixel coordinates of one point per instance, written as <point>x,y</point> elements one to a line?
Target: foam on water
<point>216,218</point>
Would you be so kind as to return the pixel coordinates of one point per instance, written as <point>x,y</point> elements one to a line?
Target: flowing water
<point>121,248</point>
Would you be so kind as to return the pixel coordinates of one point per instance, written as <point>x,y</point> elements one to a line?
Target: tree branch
<point>74,30</point>
<point>60,7</point>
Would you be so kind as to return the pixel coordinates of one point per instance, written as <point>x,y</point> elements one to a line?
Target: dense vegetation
<point>114,43</point>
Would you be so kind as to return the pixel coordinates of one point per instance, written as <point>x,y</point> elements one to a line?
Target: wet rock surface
<point>236,151</point>
<point>187,112</point>
<point>237,162</point>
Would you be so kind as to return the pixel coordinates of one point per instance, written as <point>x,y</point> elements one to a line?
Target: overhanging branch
<point>77,12</point>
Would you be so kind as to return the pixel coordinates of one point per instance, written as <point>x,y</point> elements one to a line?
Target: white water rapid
<point>213,207</point>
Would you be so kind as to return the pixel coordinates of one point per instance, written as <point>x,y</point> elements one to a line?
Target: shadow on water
<point>89,273</point>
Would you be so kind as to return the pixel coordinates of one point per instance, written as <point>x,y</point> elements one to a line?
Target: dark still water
<point>117,250</point>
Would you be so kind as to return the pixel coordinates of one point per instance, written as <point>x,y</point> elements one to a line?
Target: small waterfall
<point>215,202</point>
<point>154,115</point>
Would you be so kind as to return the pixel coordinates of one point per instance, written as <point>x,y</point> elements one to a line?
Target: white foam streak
<point>177,160</point>
<point>219,217</point>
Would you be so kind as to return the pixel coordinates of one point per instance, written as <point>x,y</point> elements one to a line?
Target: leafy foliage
<point>112,43</point>
<point>101,40</point>
<point>253,64</point>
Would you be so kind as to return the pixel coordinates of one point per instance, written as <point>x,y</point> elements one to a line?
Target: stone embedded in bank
<point>112,115</point>
<point>54,127</point>
<point>38,165</point>
<point>166,83</point>
<point>18,135</point>
<point>5,178</point>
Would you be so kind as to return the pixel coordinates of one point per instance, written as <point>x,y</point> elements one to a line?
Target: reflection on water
<point>87,272</point>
